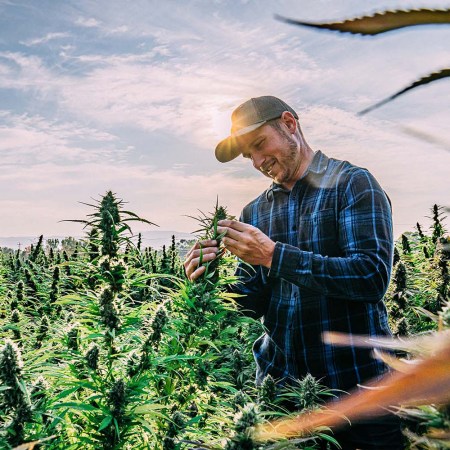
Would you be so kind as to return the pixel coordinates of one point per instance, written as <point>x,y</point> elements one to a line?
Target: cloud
<point>43,40</point>
<point>413,172</point>
<point>57,190</point>
<point>94,23</point>
<point>79,119</point>
<point>183,94</point>
<point>119,30</point>
<point>27,73</point>
<point>88,22</point>
<point>34,140</point>
<point>187,85</point>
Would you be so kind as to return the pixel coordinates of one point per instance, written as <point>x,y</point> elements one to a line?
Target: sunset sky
<point>133,97</point>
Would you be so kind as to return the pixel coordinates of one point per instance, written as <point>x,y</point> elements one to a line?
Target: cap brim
<point>228,149</point>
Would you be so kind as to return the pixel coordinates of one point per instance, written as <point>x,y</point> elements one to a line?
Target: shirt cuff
<point>288,262</point>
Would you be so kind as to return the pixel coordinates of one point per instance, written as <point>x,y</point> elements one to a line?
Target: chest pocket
<point>318,232</point>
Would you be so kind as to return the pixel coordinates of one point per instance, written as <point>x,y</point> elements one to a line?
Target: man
<point>320,241</point>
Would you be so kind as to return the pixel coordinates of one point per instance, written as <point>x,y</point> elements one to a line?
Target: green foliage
<point>14,398</point>
<point>420,279</point>
<point>116,357</point>
<point>208,231</point>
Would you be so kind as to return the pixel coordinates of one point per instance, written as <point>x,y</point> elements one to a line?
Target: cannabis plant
<point>14,397</point>
<point>208,231</point>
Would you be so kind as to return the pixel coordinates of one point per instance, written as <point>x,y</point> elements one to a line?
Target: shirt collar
<point>318,166</point>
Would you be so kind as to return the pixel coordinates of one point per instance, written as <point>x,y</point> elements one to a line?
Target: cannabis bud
<point>108,309</point>
<point>92,357</point>
<point>40,388</point>
<point>267,390</point>
<point>308,392</point>
<point>160,320</point>
<point>117,398</point>
<point>72,337</point>
<point>239,400</point>
<point>247,417</point>
<point>445,315</point>
<point>244,422</point>
<point>133,364</point>
<point>11,365</point>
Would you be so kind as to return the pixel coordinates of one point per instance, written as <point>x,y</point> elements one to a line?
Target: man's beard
<point>290,159</point>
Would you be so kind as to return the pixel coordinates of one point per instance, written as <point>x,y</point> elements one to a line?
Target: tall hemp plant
<point>205,325</point>
<point>105,400</point>
<point>420,280</point>
<point>204,319</point>
<point>115,359</point>
<point>221,392</point>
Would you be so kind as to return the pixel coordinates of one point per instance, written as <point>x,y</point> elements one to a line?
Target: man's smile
<point>268,167</point>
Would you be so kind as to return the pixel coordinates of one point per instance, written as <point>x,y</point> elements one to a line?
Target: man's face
<point>274,152</point>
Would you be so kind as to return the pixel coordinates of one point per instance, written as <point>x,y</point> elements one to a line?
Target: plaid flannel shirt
<point>330,270</point>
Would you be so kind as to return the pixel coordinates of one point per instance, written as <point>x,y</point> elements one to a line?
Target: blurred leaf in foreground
<point>444,73</point>
<point>416,382</point>
<point>380,22</point>
<point>383,22</point>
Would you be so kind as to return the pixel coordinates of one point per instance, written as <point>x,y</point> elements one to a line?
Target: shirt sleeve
<point>365,240</point>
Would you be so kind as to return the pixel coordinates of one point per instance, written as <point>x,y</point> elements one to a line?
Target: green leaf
<point>76,406</point>
<point>208,342</point>
<point>329,438</point>
<point>69,299</point>
<point>105,422</point>
<point>116,426</point>
<point>147,408</point>
<point>66,393</point>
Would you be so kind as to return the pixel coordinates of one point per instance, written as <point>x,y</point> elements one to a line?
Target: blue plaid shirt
<point>330,270</point>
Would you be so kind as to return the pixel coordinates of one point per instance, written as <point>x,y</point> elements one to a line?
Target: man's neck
<point>307,157</point>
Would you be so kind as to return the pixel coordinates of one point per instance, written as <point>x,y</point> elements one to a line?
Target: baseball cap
<point>248,117</point>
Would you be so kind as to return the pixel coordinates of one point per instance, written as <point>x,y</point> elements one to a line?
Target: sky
<point>134,96</point>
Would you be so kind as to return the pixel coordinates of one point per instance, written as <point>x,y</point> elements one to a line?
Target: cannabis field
<point>106,345</point>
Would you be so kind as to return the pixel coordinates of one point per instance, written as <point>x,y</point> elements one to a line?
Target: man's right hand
<point>208,249</point>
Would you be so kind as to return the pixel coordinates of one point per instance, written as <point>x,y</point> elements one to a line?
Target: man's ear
<point>290,121</point>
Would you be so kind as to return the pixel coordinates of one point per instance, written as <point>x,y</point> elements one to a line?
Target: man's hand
<point>247,242</point>
<point>208,250</point>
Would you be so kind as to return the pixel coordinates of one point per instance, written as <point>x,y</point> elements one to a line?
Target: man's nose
<point>257,161</point>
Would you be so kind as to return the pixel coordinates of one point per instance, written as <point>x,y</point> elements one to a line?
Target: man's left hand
<point>247,242</point>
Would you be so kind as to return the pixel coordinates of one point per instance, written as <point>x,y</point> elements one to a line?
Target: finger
<point>194,263</point>
<point>196,273</point>
<point>208,243</point>
<point>222,229</point>
<point>189,253</point>
<point>188,268</point>
<point>230,244</point>
<point>234,224</point>
<point>204,252</point>
<point>201,244</point>
<point>230,232</point>
<point>202,259</point>
<point>191,261</point>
